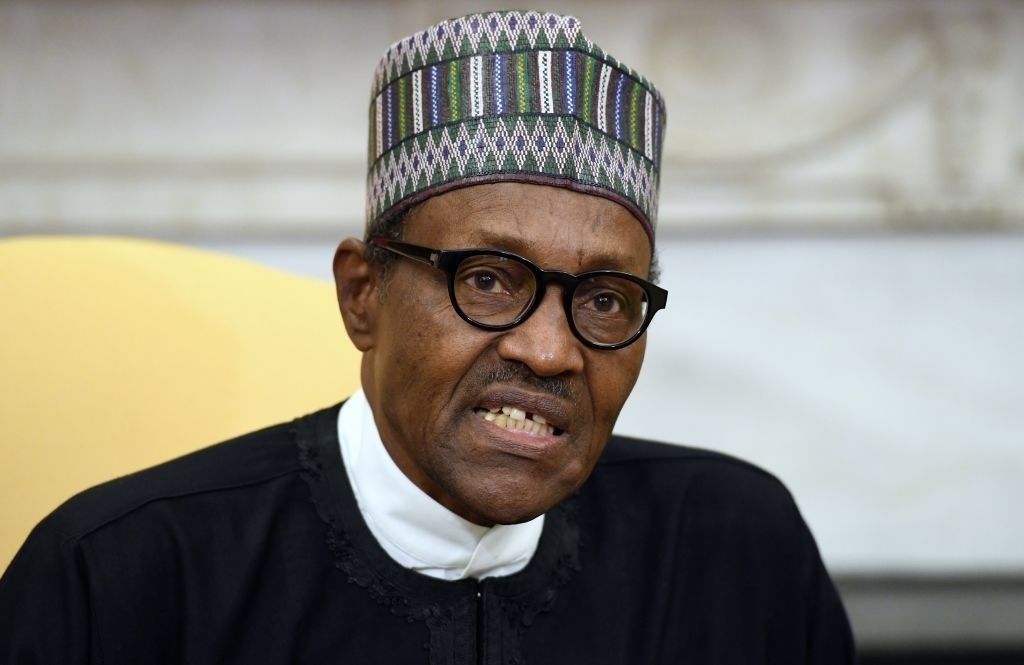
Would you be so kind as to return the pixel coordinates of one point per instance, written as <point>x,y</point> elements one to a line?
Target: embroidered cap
<point>516,97</point>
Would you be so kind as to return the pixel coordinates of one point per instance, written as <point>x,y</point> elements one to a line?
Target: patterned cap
<point>511,97</point>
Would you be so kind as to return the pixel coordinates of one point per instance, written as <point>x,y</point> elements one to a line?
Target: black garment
<point>254,551</point>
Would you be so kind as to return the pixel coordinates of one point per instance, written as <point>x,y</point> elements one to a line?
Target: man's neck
<point>416,531</point>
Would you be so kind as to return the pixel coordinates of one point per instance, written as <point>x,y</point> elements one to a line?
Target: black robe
<point>254,551</point>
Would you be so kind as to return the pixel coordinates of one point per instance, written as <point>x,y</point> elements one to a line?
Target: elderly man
<point>470,504</point>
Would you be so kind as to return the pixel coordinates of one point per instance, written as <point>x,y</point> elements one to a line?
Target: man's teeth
<point>517,420</point>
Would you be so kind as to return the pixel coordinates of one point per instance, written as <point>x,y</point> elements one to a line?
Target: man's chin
<point>513,515</point>
<point>505,501</point>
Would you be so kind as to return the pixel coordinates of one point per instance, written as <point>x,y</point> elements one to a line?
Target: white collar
<point>416,531</point>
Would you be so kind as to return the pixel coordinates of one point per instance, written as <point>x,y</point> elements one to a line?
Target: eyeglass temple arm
<point>659,297</point>
<point>414,252</point>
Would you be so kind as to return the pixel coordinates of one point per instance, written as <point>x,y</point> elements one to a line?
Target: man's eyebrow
<point>526,247</point>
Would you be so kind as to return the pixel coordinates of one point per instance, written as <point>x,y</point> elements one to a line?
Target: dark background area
<point>966,657</point>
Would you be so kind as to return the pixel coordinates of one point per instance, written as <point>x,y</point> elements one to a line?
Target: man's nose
<point>544,342</point>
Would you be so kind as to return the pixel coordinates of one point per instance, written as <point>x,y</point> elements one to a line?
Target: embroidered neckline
<point>440,604</point>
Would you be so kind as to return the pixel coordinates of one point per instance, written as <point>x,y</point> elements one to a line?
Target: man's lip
<point>555,410</point>
<point>524,445</point>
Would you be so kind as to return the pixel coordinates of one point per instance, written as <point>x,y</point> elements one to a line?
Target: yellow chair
<point>117,354</point>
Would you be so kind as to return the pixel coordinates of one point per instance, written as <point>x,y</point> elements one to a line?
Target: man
<point>469,504</point>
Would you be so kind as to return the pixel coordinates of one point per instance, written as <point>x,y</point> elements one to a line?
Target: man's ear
<point>356,283</point>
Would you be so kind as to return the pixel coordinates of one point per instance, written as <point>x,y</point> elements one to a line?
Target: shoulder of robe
<point>662,471</point>
<point>246,460</point>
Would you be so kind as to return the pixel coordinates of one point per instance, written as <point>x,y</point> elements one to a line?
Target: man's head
<point>440,381</point>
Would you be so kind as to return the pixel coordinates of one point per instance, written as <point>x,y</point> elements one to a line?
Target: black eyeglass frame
<point>448,261</point>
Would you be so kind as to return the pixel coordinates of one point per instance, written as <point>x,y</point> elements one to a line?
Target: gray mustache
<point>516,373</point>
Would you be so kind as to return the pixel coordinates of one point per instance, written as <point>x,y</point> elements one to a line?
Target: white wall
<point>879,376</point>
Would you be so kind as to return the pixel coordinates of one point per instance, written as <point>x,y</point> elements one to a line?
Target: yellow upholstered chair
<point>117,354</point>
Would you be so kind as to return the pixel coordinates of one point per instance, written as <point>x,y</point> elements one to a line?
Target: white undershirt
<point>416,531</point>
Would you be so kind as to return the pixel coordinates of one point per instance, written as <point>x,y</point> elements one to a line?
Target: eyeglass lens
<point>496,290</point>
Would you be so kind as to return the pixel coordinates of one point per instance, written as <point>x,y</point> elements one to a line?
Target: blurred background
<point>840,231</point>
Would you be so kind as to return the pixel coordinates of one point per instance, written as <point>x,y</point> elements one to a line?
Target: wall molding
<point>211,118</point>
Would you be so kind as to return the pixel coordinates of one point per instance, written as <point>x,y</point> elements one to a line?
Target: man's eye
<point>484,281</point>
<point>606,303</point>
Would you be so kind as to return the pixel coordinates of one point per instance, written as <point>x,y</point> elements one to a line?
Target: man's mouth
<point>517,420</point>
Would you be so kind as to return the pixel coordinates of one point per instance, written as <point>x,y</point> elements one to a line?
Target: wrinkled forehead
<point>552,226</point>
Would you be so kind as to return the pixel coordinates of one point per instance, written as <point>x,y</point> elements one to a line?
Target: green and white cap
<point>511,96</point>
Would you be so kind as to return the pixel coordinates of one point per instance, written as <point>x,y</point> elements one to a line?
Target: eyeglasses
<point>497,290</point>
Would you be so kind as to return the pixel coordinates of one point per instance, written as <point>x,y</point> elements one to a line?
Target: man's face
<point>430,376</point>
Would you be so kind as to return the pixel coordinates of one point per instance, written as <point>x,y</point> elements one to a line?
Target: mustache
<point>517,373</point>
